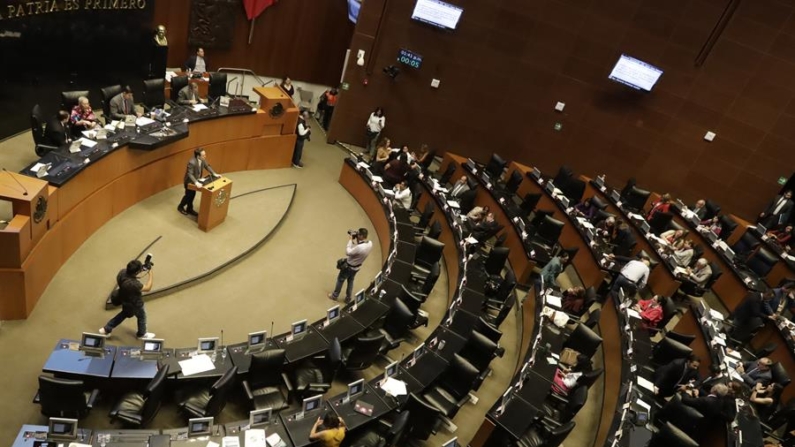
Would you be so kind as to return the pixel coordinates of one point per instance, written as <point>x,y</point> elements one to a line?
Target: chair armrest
<point>287,383</point>
<point>462,401</point>
<point>92,398</point>
<point>37,397</point>
<point>320,386</point>
<point>247,389</point>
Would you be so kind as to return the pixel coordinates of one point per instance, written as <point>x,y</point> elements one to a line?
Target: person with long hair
<point>331,433</point>
<point>375,124</point>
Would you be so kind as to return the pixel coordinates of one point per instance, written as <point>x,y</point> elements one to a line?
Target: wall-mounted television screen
<point>437,13</point>
<point>635,73</point>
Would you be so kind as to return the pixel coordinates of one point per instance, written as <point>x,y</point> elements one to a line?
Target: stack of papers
<point>275,440</point>
<point>394,387</point>
<point>199,107</point>
<point>554,301</point>
<point>255,437</point>
<point>715,315</point>
<point>230,441</point>
<point>143,121</point>
<point>633,313</point>
<point>196,365</point>
<point>646,384</point>
<point>635,216</point>
<point>377,179</point>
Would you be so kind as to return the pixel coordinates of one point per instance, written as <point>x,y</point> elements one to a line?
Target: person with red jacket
<point>660,206</point>
<point>331,102</point>
<point>651,311</point>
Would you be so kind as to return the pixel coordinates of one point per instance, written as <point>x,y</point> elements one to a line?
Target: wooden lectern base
<point>214,202</point>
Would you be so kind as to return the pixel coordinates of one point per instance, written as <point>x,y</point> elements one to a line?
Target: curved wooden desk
<point>123,178</point>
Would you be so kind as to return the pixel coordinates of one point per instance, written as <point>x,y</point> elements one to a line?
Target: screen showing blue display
<point>409,58</point>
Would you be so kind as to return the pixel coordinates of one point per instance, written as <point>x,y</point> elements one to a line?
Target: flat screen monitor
<point>62,428</point>
<point>616,196</point>
<point>153,346</point>
<point>207,345</point>
<point>419,351</point>
<point>256,340</point>
<point>311,403</point>
<point>379,279</point>
<point>298,328</point>
<point>390,370</point>
<point>760,229</point>
<point>536,173</point>
<point>259,418</point>
<point>451,443</point>
<point>332,314</point>
<point>437,13</point>
<point>496,166</point>
<point>635,73</point>
<point>92,342</point>
<point>200,427</point>
<point>360,297</point>
<point>355,388</point>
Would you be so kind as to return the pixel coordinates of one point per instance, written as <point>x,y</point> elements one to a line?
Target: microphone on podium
<point>18,182</point>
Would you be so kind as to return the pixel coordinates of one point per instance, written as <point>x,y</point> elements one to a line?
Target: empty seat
<point>138,408</point>
<point>209,402</point>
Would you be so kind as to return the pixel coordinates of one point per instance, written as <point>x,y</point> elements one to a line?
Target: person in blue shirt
<point>554,268</point>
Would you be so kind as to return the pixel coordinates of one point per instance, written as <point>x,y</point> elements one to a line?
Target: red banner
<point>255,7</point>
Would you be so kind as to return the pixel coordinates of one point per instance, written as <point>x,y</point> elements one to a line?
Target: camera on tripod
<point>148,264</point>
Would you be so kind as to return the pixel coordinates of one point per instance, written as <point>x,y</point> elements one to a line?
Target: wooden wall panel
<point>509,61</point>
<point>303,39</point>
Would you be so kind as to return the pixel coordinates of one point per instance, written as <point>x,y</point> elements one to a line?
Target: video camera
<point>353,233</point>
<point>148,264</point>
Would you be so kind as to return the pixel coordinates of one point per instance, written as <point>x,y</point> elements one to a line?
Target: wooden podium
<point>29,199</point>
<point>215,202</point>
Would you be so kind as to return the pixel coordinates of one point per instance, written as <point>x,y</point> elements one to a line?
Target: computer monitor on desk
<point>200,427</point>
<point>615,196</point>
<point>309,404</point>
<point>354,390</point>
<point>92,343</point>
<point>390,370</point>
<point>297,330</point>
<point>536,174</point>
<point>207,345</point>
<point>260,418</point>
<point>256,341</point>
<point>761,230</point>
<point>152,347</point>
<point>62,429</point>
<point>332,315</point>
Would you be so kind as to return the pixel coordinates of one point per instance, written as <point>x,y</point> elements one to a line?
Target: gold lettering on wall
<point>20,9</point>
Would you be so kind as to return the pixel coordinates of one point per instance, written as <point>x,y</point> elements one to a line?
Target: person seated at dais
<point>189,95</point>
<point>82,116</point>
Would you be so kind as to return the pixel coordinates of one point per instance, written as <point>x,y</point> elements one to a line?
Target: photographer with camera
<point>356,252</point>
<point>130,294</point>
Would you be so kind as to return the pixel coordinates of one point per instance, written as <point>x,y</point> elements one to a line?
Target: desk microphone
<point>271,330</point>
<point>222,338</point>
<point>18,182</point>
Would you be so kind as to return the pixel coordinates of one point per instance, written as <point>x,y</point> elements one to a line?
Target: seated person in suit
<point>395,170</point>
<point>676,375</point>
<point>663,205</point>
<point>403,195</point>
<point>459,187</point>
<point>197,62</point>
<point>716,405</point>
<point>476,215</point>
<point>585,209</point>
<point>554,268</point>
<point>414,174</point>
<point>189,95</point>
<point>683,255</point>
<point>58,131</point>
<point>700,274</point>
<point>486,228</point>
<point>607,228</point>
<point>651,311</point>
<point>123,105</point>
<point>700,209</point>
<point>757,372</point>
<point>623,239</point>
<point>755,305</point>
<point>781,236</point>
<point>710,225</point>
<point>82,116</point>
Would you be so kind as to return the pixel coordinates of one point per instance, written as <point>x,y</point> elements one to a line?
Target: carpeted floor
<point>283,280</point>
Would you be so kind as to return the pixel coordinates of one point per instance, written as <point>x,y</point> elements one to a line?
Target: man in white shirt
<point>634,275</point>
<point>355,254</point>
<point>403,195</point>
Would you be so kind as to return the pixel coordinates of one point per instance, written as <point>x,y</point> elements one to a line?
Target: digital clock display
<point>406,57</point>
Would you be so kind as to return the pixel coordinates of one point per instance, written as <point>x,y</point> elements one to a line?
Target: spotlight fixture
<point>392,71</point>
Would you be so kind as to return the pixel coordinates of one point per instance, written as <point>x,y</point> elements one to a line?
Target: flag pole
<point>251,30</point>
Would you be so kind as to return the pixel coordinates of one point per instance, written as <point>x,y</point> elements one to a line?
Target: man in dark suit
<point>460,187</point>
<point>193,173</point>
<point>756,372</point>
<point>57,131</point>
<point>715,406</point>
<point>189,94</point>
<point>486,229</point>
<point>700,209</point>
<point>777,212</point>
<point>197,62</point>
<point>123,104</point>
<point>676,375</point>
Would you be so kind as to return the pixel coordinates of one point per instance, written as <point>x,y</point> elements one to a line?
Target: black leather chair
<point>583,340</point>
<point>588,378</point>
<point>491,332</point>
<point>598,203</point>
<point>37,122</point>
<point>451,389</point>
<point>479,351</point>
<point>138,408</point>
<point>435,230</point>
<point>267,385</point>
<point>422,419</point>
<point>154,93</point>
<point>495,261</point>
<point>383,437</point>
<point>685,339</point>
<point>593,318</point>
<point>502,313</point>
<point>514,180</point>
<point>423,289</point>
<point>602,215</point>
<point>667,350</point>
<point>425,218</point>
<point>559,410</point>
<point>447,174</point>
<point>669,435</point>
<point>660,222</point>
<point>466,201</point>
<point>779,374</point>
<point>69,99</point>
<point>316,376</point>
<point>573,190</point>
<point>428,253</point>
<point>177,84</point>
<point>65,397</point>
<point>396,327</point>
<point>635,199</point>
<point>217,86</point>
<point>548,232</point>
<point>204,402</point>
<point>529,203</point>
<point>765,350</point>
<point>563,177</point>
<point>712,209</point>
<point>745,245</point>
<point>686,418</point>
<point>728,225</point>
<point>106,94</point>
<point>496,300</point>
<point>363,352</point>
<point>762,262</point>
<point>540,435</point>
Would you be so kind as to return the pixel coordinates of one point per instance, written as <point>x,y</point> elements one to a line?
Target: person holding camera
<point>193,173</point>
<point>131,295</point>
<point>355,253</point>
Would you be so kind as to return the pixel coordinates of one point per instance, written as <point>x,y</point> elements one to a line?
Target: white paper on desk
<point>37,166</point>
<point>394,387</point>
<point>552,361</point>
<point>635,216</point>
<point>143,121</point>
<point>213,444</point>
<point>169,75</point>
<point>77,444</point>
<point>554,301</point>
<point>89,133</point>
<point>715,315</point>
<point>199,107</point>
<point>646,384</point>
<point>471,240</point>
<point>723,245</point>
<point>275,440</point>
<point>735,375</point>
<point>389,192</point>
<point>87,143</point>
<point>634,314</point>
<point>255,437</point>
<point>453,204</point>
<point>230,441</point>
<point>680,271</point>
<point>196,365</point>
<point>735,354</point>
<point>584,223</point>
<point>719,341</point>
<point>377,179</point>
<point>643,404</point>
<point>362,165</point>
<point>788,257</point>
